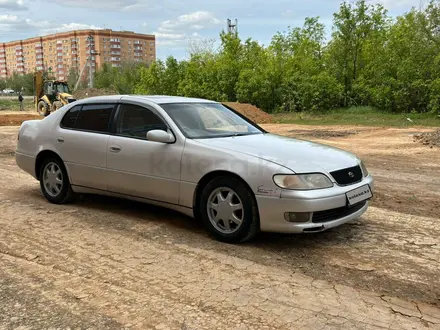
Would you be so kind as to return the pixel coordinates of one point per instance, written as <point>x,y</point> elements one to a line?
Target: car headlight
<point>302,181</point>
<point>364,169</point>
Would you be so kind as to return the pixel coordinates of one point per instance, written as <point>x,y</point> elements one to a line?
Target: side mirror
<point>158,135</point>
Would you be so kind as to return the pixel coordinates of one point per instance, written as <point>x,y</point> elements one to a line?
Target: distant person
<point>20,99</point>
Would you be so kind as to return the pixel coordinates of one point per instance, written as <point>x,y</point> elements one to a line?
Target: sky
<point>176,24</point>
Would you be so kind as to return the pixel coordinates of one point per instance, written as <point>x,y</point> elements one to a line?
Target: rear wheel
<point>228,210</point>
<point>43,108</point>
<point>54,182</point>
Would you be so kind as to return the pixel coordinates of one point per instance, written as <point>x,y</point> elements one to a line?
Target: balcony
<point>115,46</point>
<point>137,42</point>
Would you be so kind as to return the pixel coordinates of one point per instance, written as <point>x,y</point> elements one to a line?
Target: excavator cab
<point>50,95</point>
<point>53,88</point>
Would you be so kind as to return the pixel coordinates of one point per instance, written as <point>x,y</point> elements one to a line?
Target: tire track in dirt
<point>149,269</point>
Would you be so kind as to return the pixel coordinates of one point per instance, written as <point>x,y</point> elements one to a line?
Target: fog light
<point>297,216</point>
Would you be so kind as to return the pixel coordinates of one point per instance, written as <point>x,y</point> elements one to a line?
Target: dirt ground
<point>14,118</point>
<point>104,263</point>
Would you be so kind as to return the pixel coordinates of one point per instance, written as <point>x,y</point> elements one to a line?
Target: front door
<point>138,167</point>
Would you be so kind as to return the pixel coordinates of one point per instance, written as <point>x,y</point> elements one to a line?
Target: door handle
<point>115,148</point>
<point>60,140</point>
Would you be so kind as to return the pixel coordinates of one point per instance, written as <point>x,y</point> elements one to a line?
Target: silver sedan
<point>195,156</point>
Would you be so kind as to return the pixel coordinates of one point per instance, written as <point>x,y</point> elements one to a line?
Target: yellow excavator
<point>50,94</point>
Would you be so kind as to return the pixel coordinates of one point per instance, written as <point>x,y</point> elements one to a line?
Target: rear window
<point>69,118</point>
<point>91,117</point>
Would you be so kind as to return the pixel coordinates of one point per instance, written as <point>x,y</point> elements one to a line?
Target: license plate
<point>358,195</point>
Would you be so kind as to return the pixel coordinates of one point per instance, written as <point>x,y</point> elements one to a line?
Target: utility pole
<point>90,43</point>
<point>89,62</point>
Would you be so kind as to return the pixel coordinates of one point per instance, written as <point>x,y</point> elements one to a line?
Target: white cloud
<point>395,4</point>
<point>12,5</point>
<point>196,20</point>
<point>178,31</point>
<point>114,5</point>
<point>288,13</point>
<point>13,23</point>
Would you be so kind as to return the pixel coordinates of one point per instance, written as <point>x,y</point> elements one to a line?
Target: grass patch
<point>362,116</point>
<point>12,104</point>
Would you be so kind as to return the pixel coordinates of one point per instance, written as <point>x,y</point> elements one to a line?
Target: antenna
<point>232,28</point>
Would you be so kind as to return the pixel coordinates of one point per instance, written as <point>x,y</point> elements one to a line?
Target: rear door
<point>81,141</point>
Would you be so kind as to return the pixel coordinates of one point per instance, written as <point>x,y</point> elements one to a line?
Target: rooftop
<point>158,99</point>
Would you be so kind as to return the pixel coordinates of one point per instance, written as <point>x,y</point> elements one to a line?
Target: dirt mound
<point>252,112</point>
<point>90,92</point>
<point>431,139</point>
<point>15,120</point>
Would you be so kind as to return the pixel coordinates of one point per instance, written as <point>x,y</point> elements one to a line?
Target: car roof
<point>158,99</point>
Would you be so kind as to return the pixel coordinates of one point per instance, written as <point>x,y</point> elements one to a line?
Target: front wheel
<point>228,210</point>
<point>43,109</point>
<point>54,182</point>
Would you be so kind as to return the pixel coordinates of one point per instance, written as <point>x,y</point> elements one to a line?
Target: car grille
<point>335,214</point>
<point>347,176</point>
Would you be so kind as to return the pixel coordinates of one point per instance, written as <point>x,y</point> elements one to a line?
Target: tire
<point>55,186</point>
<point>57,105</point>
<point>214,209</point>
<point>43,109</point>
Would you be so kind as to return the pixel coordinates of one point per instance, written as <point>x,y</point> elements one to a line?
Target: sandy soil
<point>103,263</point>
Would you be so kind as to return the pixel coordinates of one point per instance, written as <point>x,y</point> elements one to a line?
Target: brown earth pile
<point>252,112</point>
<point>90,92</point>
<point>16,120</point>
<point>431,139</point>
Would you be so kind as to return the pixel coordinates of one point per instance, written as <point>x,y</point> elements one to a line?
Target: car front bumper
<point>273,209</point>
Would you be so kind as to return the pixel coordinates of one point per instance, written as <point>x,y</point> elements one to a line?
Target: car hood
<point>297,155</point>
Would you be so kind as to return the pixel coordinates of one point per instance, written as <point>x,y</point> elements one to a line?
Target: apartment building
<point>61,51</point>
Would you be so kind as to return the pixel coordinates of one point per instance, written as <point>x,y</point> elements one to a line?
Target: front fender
<point>198,160</point>
<point>46,99</point>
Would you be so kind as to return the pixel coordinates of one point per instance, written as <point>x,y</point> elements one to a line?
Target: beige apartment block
<point>61,51</point>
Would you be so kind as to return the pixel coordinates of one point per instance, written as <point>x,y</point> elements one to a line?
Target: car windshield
<point>62,88</point>
<point>208,120</point>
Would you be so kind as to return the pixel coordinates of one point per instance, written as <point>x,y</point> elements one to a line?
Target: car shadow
<point>142,212</point>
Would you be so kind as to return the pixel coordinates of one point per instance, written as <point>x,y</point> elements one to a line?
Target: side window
<point>69,118</point>
<point>94,117</point>
<point>136,121</point>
